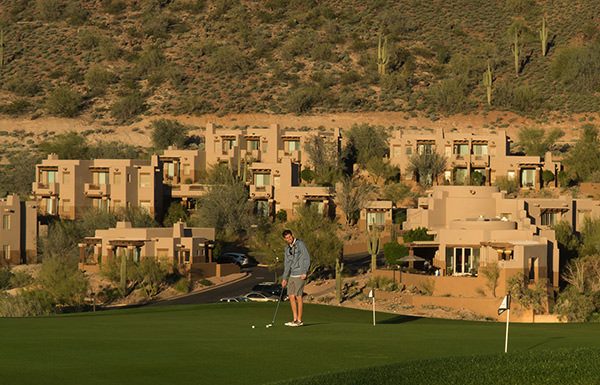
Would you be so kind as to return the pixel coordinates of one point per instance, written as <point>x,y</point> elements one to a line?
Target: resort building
<point>467,154</point>
<point>67,188</point>
<point>18,232</point>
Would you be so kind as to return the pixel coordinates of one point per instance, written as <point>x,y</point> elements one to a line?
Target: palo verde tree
<point>364,143</point>
<point>535,141</point>
<point>166,132</point>
<point>325,158</point>
<point>427,167</point>
<point>351,196</point>
<point>582,162</point>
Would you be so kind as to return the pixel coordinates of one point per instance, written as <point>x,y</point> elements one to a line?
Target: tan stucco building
<point>18,231</point>
<point>466,153</point>
<point>68,188</point>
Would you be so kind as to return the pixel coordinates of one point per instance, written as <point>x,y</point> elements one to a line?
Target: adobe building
<point>276,186</point>
<point>376,216</point>
<point>467,153</point>
<point>189,248</point>
<point>475,227</point>
<point>18,233</point>
<point>67,188</point>
<point>183,172</point>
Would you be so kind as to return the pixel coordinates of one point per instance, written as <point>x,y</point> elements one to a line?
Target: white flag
<point>371,294</point>
<point>505,305</point>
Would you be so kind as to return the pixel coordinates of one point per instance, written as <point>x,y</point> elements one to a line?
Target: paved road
<point>256,274</point>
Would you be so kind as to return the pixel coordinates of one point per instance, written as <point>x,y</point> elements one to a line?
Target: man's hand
<point>283,283</point>
<point>303,276</point>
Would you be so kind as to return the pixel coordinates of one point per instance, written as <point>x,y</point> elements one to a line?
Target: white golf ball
<point>252,326</point>
<point>267,326</point>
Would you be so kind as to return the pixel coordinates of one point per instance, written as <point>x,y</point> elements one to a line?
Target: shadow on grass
<point>399,319</point>
<point>547,340</point>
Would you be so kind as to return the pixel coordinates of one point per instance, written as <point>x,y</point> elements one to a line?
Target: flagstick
<point>373,310</point>
<point>506,340</point>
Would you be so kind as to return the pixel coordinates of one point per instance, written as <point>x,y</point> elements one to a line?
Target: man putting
<point>296,264</point>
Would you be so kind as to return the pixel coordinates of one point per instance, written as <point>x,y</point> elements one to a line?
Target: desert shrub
<point>67,146</point>
<point>16,107</point>
<point>281,216</point>
<point>149,276</point>
<point>63,102</point>
<point>307,175</point>
<point>65,283</point>
<point>183,285</point>
<point>22,86</point>
<point>128,107</point>
<point>109,49</point>
<point>303,99</point>
<point>521,98</point>
<point>5,277</point>
<point>175,213</point>
<point>205,282</point>
<point>88,39</point>
<point>477,178</point>
<point>576,306</point>
<point>27,303</point>
<point>166,132</point>
<point>510,185</point>
<point>114,7</point>
<point>417,234</point>
<point>535,297</point>
<point>99,78</point>
<point>20,279</point>
<point>578,67</point>
<point>49,10</point>
<point>547,176</point>
<point>450,95</point>
<point>76,14</point>
<point>226,59</point>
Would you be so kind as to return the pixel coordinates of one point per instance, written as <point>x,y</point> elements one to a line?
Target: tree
<point>351,195</point>
<point>427,167</point>
<point>396,192</point>
<point>535,142</point>
<point>393,251</point>
<point>325,159</point>
<point>175,213</point>
<point>166,132</point>
<point>491,273</point>
<point>63,102</point>
<point>381,170</point>
<point>583,159</point>
<point>64,281</point>
<point>366,142</point>
<point>226,208</point>
<point>67,146</point>
<point>18,176</point>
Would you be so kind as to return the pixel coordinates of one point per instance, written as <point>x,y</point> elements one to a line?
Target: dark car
<point>270,288</point>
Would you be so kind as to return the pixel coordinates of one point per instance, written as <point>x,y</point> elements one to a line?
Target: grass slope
<point>216,344</point>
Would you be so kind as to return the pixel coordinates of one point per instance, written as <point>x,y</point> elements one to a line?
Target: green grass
<point>215,344</point>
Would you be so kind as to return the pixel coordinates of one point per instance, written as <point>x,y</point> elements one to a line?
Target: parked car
<point>270,288</point>
<point>260,297</point>
<point>237,258</point>
<point>234,299</point>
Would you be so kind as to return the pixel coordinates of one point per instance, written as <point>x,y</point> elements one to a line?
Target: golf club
<point>277,308</point>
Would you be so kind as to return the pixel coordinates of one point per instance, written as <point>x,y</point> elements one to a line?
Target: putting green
<point>216,344</point>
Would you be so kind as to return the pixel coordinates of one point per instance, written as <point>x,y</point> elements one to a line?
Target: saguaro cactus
<point>516,50</point>
<point>382,56</point>
<point>339,267</point>
<point>544,37</point>
<point>123,283</point>
<point>487,82</point>
<point>373,246</point>
<point>1,47</point>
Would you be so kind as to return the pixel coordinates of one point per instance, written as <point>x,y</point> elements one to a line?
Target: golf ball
<point>267,326</point>
<point>252,326</point>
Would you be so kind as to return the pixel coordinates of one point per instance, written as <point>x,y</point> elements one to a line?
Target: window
<point>374,218</point>
<point>117,204</point>
<point>52,176</point>
<point>480,149</point>
<point>6,222</point>
<point>144,180</point>
<point>424,148</point>
<point>447,176</point>
<point>66,178</point>
<point>253,145</point>
<point>136,254</point>
<point>277,181</point>
<point>461,149</point>
<point>463,259</point>
<point>117,178</point>
<point>460,176</point>
<point>262,208</point>
<point>510,175</point>
<point>50,205</point>
<point>408,150</point>
<point>228,144</point>
<point>548,218</point>
<point>397,151</point>
<point>186,169</point>
<point>102,205</point>
<point>145,206</point>
<point>103,178</point>
<point>448,151</point>
<point>170,170</point>
<point>265,146</point>
<point>319,205</point>
<point>291,145</point>
<point>528,177</point>
<point>6,251</point>
<point>262,180</point>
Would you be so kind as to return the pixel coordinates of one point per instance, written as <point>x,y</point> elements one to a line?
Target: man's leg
<point>294,307</point>
<point>299,302</point>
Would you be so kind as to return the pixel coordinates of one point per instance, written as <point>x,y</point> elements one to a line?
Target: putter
<point>277,308</point>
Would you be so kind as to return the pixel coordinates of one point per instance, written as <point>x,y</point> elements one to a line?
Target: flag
<point>505,305</point>
<point>371,294</point>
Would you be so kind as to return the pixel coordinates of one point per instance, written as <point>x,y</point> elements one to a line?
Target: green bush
<point>510,185</point>
<point>99,78</point>
<point>20,279</point>
<point>5,277</point>
<point>520,99</point>
<point>392,251</point>
<point>578,67</point>
<point>63,102</point>
<point>16,108</point>
<point>166,132</point>
<point>205,282</point>
<point>307,175</point>
<point>49,10</point>
<point>229,60</point>
<point>63,281</point>
<point>303,99</point>
<point>21,86</point>
<point>27,303</point>
<point>183,285</point>
<point>450,95</point>
<point>128,107</point>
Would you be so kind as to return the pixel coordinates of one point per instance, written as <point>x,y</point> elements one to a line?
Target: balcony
<point>261,192</point>
<point>96,190</point>
<point>295,155</point>
<point>193,190</point>
<point>480,160</point>
<point>46,189</point>
<point>459,160</point>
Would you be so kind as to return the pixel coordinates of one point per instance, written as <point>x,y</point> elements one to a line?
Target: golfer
<point>297,262</point>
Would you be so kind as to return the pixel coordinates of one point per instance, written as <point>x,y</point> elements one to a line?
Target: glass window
<point>49,205</point>
<point>253,145</point>
<point>117,178</point>
<point>262,208</point>
<point>397,151</point>
<point>424,148</point>
<point>6,222</point>
<point>103,178</point>
<point>262,180</point>
<point>170,170</point>
<point>144,180</point>
<point>66,203</point>
<point>145,205</point>
<point>292,145</point>
<point>186,169</point>
<point>480,149</point>
<point>319,205</point>
<point>265,146</point>
<point>6,251</point>
<point>460,176</point>
<point>528,177</point>
<point>375,218</point>
<point>511,175</point>
<point>408,150</point>
<point>52,176</point>
<point>277,181</point>
<point>548,218</point>
<point>465,259</point>
<point>461,149</point>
